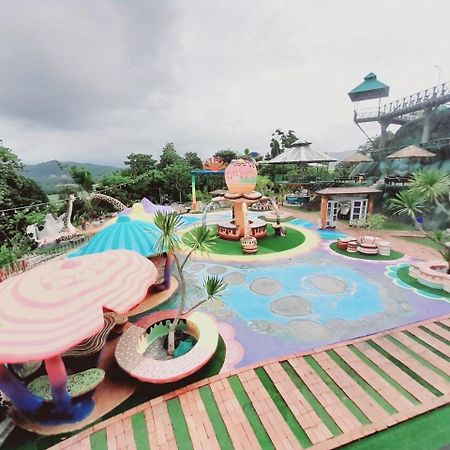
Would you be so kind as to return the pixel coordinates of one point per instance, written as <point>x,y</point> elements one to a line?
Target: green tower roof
<point>369,88</point>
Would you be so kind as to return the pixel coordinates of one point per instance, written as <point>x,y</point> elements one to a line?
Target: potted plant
<point>200,239</point>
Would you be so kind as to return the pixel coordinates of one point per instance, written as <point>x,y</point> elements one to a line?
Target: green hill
<point>52,174</point>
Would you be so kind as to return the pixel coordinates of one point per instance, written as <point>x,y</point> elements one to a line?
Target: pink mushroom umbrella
<point>49,309</point>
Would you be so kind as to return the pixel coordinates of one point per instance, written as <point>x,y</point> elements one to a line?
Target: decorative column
<point>194,194</point>
<point>20,396</point>
<point>370,204</point>
<point>323,211</point>
<point>426,125</point>
<point>57,377</point>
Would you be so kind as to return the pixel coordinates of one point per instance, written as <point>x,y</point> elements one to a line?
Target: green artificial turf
<point>179,425</point>
<point>267,245</point>
<point>220,430</point>
<point>403,275</point>
<point>250,413</point>
<point>140,432</point>
<point>429,431</point>
<point>98,440</point>
<point>283,408</point>
<point>357,255</point>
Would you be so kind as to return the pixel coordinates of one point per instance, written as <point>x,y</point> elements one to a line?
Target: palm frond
<point>214,286</point>
<point>409,203</point>
<point>201,238</point>
<point>169,224</point>
<point>433,184</point>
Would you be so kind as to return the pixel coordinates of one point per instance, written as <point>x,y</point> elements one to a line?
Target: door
<point>332,213</point>
<point>359,210</point>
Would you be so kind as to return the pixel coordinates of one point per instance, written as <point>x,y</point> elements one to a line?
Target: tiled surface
<point>355,384</point>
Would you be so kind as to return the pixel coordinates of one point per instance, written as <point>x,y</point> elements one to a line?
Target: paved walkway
<point>318,400</point>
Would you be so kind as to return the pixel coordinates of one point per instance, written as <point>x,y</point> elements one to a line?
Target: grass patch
<point>427,242</point>
<point>429,431</point>
<point>357,255</point>
<point>403,275</point>
<point>267,245</point>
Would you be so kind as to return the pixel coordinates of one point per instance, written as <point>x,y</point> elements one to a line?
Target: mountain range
<point>51,174</point>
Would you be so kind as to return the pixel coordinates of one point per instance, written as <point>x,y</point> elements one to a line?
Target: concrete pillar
<point>384,127</point>
<point>426,125</point>
<point>370,204</point>
<point>323,211</point>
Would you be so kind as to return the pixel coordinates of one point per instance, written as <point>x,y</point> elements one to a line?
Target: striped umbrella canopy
<point>136,235</point>
<point>51,308</point>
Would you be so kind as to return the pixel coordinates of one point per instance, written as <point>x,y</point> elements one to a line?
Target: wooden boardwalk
<point>318,400</point>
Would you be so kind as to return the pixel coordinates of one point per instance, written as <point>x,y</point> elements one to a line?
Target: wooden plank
<point>316,430</point>
<point>388,392</point>
<point>356,393</point>
<point>344,419</point>
<point>279,432</point>
<point>408,383</point>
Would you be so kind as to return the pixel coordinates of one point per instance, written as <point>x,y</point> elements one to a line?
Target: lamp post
<point>439,73</point>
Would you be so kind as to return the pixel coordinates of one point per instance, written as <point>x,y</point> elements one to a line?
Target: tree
<point>431,184</point>
<point>275,148</point>
<point>264,185</point>
<point>168,156</point>
<point>139,163</point>
<point>226,155</point>
<point>374,143</point>
<point>193,160</point>
<point>16,191</point>
<point>177,176</point>
<point>409,203</point>
<point>82,177</point>
<point>201,239</point>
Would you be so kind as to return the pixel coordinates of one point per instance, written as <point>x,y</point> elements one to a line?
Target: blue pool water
<point>331,291</point>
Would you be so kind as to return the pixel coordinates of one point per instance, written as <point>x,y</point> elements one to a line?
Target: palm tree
<point>200,239</point>
<point>442,241</point>
<point>432,184</point>
<point>409,203</point>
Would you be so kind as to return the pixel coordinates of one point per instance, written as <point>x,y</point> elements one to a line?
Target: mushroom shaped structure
<point>47,310</point>
<point>240,176</point>
<point>137,235</point>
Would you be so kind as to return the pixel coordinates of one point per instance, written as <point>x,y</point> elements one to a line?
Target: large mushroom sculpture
<point>49,309</point>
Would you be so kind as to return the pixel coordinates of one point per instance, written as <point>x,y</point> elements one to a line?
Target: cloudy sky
<point>97,80</point>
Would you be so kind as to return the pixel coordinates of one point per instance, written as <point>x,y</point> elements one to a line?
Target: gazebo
<point>301,152</point>
<point>412,152</point>
<point>359,200</point>
<point>356,158</point>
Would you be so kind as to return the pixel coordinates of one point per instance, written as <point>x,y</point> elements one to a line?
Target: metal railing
<point>405,107</point>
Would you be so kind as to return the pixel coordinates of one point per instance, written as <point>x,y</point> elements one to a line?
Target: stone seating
<point>249,244</point>
<point>368,245</point>
<point>384,248</point>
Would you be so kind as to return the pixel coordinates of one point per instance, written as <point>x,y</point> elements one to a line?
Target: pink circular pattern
<point>240,176</point>
<point>47,310</point>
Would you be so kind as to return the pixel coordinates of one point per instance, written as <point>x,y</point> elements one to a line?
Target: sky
<point>95,81</point>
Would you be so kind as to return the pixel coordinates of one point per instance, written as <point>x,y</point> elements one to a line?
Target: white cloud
<point>94,83</point>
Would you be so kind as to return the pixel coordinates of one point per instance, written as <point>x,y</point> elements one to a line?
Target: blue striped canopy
<point>125,233</point>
